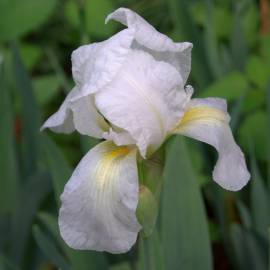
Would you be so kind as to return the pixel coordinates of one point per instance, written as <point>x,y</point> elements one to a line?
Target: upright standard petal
<point>80,114</point>
<point>146,98</point>
<point>95,65</point>
<point>207,120</point>
<point>100,200</point>
<point>159,45</point>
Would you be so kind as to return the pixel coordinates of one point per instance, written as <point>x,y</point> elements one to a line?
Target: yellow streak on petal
<point>108,168</point>
<point>201,113</point>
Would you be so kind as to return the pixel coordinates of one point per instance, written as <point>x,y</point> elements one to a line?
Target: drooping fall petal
<point>100,199</point>
<point>207,120</point>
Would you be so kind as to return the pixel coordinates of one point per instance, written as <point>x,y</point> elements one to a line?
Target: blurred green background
<point>200,226</point>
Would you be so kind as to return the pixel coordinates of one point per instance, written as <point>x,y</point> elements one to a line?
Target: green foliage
<point>182,211</point>
<point>46,88</point>
<point>254,129</point>
<point>8,161</point>
<point>95,14</point>
<point>151,253</point>
<point>49,248</point>
<point>260,200</point>
<point>20,17</point>
<point>257,71</point>
<point>230,86</point>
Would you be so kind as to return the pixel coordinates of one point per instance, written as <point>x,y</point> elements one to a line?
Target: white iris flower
<point>130,90</point>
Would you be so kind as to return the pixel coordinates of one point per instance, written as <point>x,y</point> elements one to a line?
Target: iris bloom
<point>130,90</point>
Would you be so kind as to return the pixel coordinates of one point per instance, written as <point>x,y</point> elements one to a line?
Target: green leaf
<point>19,17</point>
<point>4,231</point>
<point>46,87</point>
<point>221,15</point>
<point>268,132</point>
<point>257,72</point>
<point>58,166</point>
<point>50,249</point>
<point>6,264</point>
<point>214,231</point>
<point>72,13</point>
<point>95,14</point>
<point>230,86</point>
<point>269,249</point>
<point>30,54</point>
<point>250,252</point>
<point>264,49</point>
<point>8,161</point>
<point>260,203</point>
<point>254,99</point>
<point>50,223</point>
<point>251,22</point>
<point>254,129</point>
<point>211,42</point>
<point>180,13</point>
<point>245,214</point>
<point>88,143</point>
<point>30,114</point>
<point>184,228</point>
<point>239,47</point>
<point>36,189</point>
<point>121,266</point>
<point>151,255</point>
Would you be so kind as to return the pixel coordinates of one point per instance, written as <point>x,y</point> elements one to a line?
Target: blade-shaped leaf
<point>121,266</point>
<point>150,253</point>
<point>268,129</point>
<point>260,204</point>
<point>269,249</point>
<point>30,114</point>
<point>250,251</point>
<point>8,161</point>
<point>58,166</point>
<point>186,28</point>
<point>6,264</point>
<point>49,249</point>
<point>238,40</point>
<point>35,191</point>
<point>210,39</point>
<point>244,214</point>
<point>185,234</point>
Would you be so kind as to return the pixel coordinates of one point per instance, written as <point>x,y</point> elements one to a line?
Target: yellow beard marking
<point>202,113</point>
<point>108,167</point>
<point>117,152</point>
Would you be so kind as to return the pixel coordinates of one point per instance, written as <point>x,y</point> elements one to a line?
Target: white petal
<point>160,46</point>
<point>87,119</point>
<point>100,200</point>
<point>62,120</point>
<point>80,114</point>
<point>207,120</point>
<point>94,65</point>
<point>144,100</point>
<point>119,137</point>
